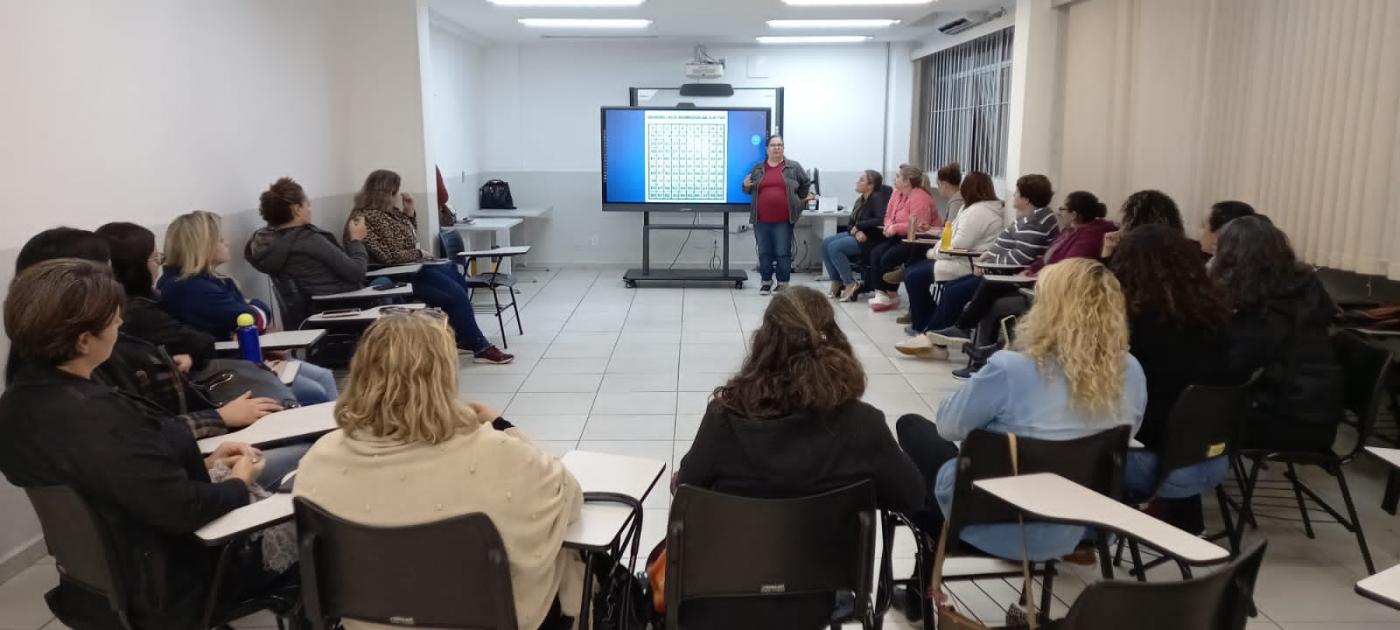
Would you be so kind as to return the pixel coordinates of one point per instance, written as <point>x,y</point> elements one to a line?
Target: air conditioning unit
<point>969,20</point>
<point>702,70</point>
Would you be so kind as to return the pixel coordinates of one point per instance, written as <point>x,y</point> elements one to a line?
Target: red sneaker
<point>492,354</point>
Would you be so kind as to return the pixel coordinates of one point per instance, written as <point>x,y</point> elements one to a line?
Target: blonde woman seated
<point>409,452</point>
<point>1070,377</point>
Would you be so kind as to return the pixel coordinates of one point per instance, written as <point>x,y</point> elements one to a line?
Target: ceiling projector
<point>704,70</point>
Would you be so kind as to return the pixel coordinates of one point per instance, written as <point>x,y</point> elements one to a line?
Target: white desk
<point>996,266</point>
<point>600,472</point>
<point>500,227</point>
<point>1019,278</point>
<point>280,340</point>
<point>252,517</point>
<point>1383,587</point>
<point>1377,333</point>
<point>1391,456</point>
<point>364,316</point>
<point>823,223</point>
<point>278,427</point>
<point>367,293</point>
<point>1052,497</point>
<point>517,213</point>
<point>396,270</point>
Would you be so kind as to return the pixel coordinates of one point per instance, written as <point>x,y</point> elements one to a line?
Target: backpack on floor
<point>495,195</point>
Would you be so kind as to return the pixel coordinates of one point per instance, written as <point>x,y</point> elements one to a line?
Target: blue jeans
<point>837,252</point>
<point>774,249</point>
<point>441,286</point>
<point>952,299</point>
<point>280,461</point>
<point>918,283</point>
<point>314,384</point>
<point>1140,477</point>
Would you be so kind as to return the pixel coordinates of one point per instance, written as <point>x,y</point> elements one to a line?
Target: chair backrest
<point>451,573</point>
<point>726,550</point>
<point>295,305</point>
<point>1222,600</point>
<point>1203,424</point>
<point>1095,462</point>
<point>452,245</point>
<point>1365,369</point>
<point>81,546</point>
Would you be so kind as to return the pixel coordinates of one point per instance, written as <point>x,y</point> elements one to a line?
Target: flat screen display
<point>680,159</point>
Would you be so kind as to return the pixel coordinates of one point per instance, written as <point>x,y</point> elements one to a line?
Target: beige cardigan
<point>527,492</point>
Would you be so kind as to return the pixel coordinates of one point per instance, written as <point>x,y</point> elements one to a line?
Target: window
<point>964,105</point>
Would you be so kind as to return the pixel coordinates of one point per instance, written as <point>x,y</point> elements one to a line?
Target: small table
<point>1019,278</point>
<point>1383,587</point>
<point>249,518</point>
<point>824,222</point>
<point>364,316</point>
<point>1051,497</point>
<point>367,293</point>
<point>275,428</point>
<point>396,270</point>
<point>500,227</point>
<point>280,340</point>
<point>1391,456</point>
<point>512,213</point>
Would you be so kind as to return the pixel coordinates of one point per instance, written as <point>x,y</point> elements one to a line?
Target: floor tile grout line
<point>583,296</point>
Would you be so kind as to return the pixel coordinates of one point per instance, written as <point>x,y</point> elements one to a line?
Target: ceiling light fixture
<point>852,3</point>
<point>583,23</point>
<point>821,24</point>
<point>813,39</point>
<point>566,3</point>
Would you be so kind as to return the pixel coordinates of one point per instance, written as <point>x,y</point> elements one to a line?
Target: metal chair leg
<point>1355,520</point>
<point>1138,569</point>
<point>1105,564</point>
<point>496,299</point>
<point>1298,495</point>
<point>1247,500</point>
<point>1230,532</point>
<point>1047,588</point>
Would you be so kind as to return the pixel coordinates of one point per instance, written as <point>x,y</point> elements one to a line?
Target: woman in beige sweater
<point>409,452</point>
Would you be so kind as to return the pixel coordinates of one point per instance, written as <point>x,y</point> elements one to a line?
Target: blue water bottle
<point>248,345</point>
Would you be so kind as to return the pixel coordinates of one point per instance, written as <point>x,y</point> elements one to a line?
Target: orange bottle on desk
<point>946,240</point>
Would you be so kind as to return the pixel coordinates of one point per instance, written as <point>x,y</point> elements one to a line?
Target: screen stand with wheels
<point>647,274</point>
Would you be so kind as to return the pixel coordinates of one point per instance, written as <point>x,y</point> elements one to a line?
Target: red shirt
<point>773,195</point>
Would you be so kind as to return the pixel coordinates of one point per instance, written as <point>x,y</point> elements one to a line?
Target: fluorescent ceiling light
<point>813,39</point>
<point>589,23</point>
<point>820,24</point>
<point>852,3</point>
<point>566,3</point>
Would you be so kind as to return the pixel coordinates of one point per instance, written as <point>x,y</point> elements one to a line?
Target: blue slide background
<point>624,161</point>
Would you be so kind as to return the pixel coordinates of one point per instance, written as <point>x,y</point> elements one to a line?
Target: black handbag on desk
<point>495,195</point>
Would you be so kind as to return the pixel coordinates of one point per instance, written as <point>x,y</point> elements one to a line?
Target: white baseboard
<point>22,558</point>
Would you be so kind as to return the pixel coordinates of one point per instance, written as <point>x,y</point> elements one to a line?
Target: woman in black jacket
<point>866,225</point>
<point>791,424</point>
<point>140,469</point>
<point>1280,324</point>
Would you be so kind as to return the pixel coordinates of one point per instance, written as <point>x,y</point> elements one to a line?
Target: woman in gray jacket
<point>780,189</point>
<point>291,247</point>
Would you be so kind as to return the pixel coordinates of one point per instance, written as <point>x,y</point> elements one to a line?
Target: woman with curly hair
<point>1145,207</point>
<point>1177,321</point>
<point>1071,376</point>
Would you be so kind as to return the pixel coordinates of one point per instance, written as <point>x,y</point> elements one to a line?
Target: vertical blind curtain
<point>1290,105</point>
<point>965,105</point>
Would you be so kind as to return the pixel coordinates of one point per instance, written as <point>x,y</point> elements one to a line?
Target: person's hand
<point>357,229</point>
<point>183,362</point>
<point>748,181</point>
<point>811,197</point>
<point>407,204</point>
<point>248,467</point>
<point>1110,243</point>
<point>860,236</point>
<point>889,230</point>
<point>483,411</point>
<point>978,271</point>
<point>227,452</point>
<point>245,410</point>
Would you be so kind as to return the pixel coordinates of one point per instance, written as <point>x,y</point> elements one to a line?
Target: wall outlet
<point>593,241</point>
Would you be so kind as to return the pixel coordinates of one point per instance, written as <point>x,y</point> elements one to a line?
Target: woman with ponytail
<point>1083,227</point>
<point>791,424</point>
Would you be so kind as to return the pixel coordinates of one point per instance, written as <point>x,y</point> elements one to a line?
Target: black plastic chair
<point>1095,462</point>
<point>1365,369</point>
<point>86,557</point>
<point>452,246</point>
<point>1222,600</point>
<point>1203,424</point>
<point>734,561</point>
<point>451,573</point>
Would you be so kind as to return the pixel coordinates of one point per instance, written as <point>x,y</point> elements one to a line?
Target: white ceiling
<point>705,21</point>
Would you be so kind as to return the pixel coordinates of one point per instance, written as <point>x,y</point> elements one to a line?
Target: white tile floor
<point>611,369</point>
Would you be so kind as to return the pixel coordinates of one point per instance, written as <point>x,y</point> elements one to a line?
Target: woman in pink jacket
<point>911,203</point>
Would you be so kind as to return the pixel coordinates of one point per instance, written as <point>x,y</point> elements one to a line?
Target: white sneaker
<point>880,298</point>
<point>921,346</point>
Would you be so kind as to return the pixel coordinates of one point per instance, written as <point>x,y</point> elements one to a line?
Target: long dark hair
<point>1162,276</point>
<point>1150,207</point>
<point>1085,205</point>
<point>1254,262</point>
<point>977,187</point>
<point>131,245</point>
<point>799,362</point>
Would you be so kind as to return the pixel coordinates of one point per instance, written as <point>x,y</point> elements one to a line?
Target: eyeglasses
<point>435,313</point>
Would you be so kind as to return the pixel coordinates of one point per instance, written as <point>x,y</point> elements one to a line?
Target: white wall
<point>542,106</point>
<point>455,134</point>
<point>145,109</point>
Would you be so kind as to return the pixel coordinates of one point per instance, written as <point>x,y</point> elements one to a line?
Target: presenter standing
<point>780,189</point>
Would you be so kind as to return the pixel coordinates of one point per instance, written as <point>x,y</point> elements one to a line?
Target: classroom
<point>953,314</point>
